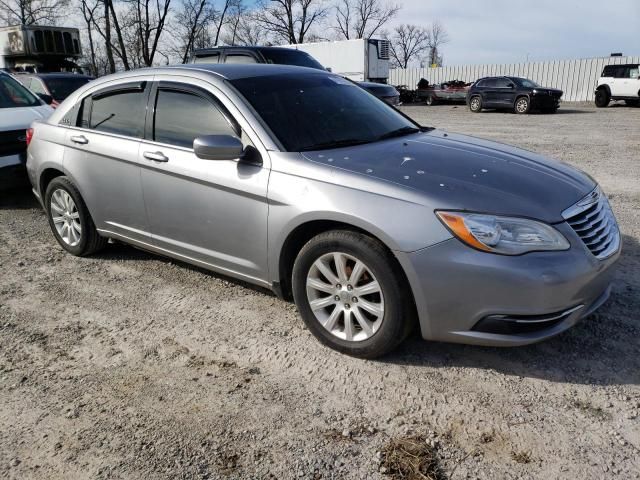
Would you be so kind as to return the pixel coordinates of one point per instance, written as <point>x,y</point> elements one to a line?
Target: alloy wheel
<point>66,217</point>
<point>475,104</point>
<point>345,296</point>
<point>522,105</point>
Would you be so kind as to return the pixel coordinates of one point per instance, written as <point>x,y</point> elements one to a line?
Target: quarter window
<point>120,112</point>
<point>181,117</point>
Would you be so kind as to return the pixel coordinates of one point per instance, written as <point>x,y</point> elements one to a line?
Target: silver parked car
<point>296,180</point>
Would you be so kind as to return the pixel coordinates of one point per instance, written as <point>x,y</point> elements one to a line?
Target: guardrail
<point>577,78</point>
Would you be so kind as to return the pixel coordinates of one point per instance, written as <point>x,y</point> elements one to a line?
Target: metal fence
<point>577,78</point>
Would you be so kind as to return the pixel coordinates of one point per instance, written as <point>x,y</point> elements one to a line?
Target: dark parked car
<point>58,86</point>
<point>452,91</point>
<point>512,93</point>
<point>283,56</point>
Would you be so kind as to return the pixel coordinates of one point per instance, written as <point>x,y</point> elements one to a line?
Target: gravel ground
<point>128,365</point>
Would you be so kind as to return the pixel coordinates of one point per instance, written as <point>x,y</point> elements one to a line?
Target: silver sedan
<point>297,180</point>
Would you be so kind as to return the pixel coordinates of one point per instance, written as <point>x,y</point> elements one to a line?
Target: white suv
<point>619,82</point>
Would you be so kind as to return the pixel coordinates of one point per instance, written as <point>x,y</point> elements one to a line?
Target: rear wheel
<point>522,105</point>
<point>351,294</point>
<point>602,98</point>
<point>475,104</point>
<point>69,219</point>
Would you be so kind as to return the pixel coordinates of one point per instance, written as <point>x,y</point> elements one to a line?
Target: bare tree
<point>149,19</point>
<point>88,12</point>
<point>437,36</point>
<point>32,12</point>
<point>190,25</point>
<point>290,20</point>
<point>362,18</point>
<point>408,42</point>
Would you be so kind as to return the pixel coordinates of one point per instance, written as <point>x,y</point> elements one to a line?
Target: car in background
<point>58,86</point>
<point>619,82</point>
<point>284,56</point>
<point>19,107</point>
<point>299,181</point>
<point>454,91</point>
<point>519,95</point>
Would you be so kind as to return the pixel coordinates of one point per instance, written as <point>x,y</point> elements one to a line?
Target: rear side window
<point>181,117</point>
<point>209,58</point>
<point>120,112</point>
<point>239,58</point>
<point>502,82</point>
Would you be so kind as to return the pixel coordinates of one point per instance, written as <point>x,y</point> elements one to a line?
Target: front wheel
<point>430,100</point>
<point>475,104</point>
<point>522,105</point>
<point>602,98</point>
<point>69,219</point>
<point>351,294</point>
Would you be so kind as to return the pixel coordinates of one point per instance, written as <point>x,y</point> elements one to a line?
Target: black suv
<point>512,93</point>
<point>283,56</point>
<point>57,86</point>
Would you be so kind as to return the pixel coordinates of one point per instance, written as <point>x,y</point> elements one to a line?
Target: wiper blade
<point>400,132</point>
<point>335,144</point>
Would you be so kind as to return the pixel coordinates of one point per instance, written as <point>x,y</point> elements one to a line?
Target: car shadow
<point>603,349</point>
<point>17,198</point>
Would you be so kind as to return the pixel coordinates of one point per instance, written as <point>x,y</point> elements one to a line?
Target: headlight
<point>504,235</point>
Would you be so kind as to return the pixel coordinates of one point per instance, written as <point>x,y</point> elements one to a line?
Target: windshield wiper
<point>400,132</point>
<point>335,144</point>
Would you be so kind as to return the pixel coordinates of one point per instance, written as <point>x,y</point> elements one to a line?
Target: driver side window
<point>180,117</point>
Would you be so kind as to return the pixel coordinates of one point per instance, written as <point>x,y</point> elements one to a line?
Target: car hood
<point>466,173</point>
<point>21,117</point>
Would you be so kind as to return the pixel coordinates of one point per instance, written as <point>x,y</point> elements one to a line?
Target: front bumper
<point>456,287</point>
<point>544,101</point>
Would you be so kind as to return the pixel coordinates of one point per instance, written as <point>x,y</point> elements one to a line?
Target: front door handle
<point>81,139</point>
<point>156,156</point>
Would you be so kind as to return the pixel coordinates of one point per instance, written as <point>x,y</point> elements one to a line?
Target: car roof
<point>227,71</point>
<point>59,75</point>
<point>253,48</point>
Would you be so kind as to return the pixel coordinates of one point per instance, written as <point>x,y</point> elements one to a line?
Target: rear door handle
<point>156,156</point>
<point>81,139</point>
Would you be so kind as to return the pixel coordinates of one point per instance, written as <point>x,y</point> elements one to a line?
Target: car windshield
<point>291,57</point>
<point>317,111</point>
<point>62,87</point>
<point>14,95</point>
<point>523,82</point>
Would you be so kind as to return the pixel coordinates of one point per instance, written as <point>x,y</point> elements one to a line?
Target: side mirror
<point>218,147</point>
<point>48,99</point>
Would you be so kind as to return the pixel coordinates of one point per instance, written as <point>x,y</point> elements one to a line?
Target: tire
<point>522,105</point>
<point>475,104</point>
<point>65,208</point>
<point>431,100</point>
<point>370,335</point>
<point>632,103</point>
<point>602,98</point>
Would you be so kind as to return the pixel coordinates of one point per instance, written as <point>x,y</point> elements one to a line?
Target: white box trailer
<point>362,60</point>
<point>39,48</point>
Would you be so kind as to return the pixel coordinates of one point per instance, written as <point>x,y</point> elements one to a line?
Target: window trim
<point>176,86</point>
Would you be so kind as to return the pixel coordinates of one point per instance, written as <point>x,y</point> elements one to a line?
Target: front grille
<point>595,224</point>
<point>13,142</point>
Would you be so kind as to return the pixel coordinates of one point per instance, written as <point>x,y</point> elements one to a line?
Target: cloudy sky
<point>505,31</point>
